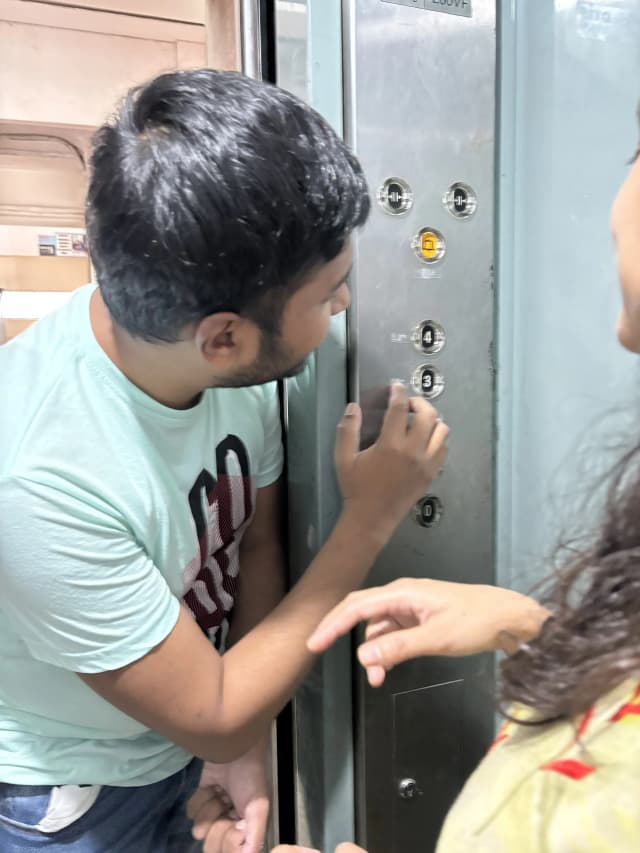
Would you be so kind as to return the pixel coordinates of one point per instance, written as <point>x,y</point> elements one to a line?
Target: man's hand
<point>380,485</point>
<point>230,809</point>
<point>412,617</point>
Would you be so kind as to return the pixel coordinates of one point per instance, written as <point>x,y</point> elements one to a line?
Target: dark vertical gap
<point>285,759</point>
<point>285,722</point>
<point>285,772</point>
<point>268,38</point>
<point>285,777</point>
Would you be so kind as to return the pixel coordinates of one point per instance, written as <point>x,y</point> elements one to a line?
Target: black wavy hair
<point>591,642</point>
<point>211,191</point>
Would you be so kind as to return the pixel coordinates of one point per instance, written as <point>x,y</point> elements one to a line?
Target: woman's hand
<point>415,617</point>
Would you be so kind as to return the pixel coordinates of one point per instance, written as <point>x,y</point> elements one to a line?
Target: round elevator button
<point>428,381</point>
<point>460,200</point>
<point>429,245</point>
<point>395,196</point>
<point>428,511</point>
<point>429,337</point>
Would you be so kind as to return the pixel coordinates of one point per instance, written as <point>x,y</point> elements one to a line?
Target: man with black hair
<point>140,458</point>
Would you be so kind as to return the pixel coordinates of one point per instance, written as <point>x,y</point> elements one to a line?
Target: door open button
<point>395,196</point>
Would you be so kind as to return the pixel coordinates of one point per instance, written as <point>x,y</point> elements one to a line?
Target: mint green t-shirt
<point>113,509</point>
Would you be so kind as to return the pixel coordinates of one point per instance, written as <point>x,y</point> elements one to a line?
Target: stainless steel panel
<point>421,107</point>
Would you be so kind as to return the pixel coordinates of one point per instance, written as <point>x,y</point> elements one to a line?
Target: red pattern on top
<point>498,741</point>
<point>570,767</point>
<point>584,723</point>
<point>503,734</point>
<point>630,707</point>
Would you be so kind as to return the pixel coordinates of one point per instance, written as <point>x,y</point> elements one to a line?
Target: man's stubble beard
<point>273,362</point>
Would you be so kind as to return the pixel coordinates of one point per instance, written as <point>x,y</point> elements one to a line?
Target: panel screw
<point>408,789</point>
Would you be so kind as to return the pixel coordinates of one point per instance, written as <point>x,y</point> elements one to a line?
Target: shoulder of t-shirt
<point>51,494</point>
<point>34,381</point>
<point>263,396</point>
<point>48,344</point>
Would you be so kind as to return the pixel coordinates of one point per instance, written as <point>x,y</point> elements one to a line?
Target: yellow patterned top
<point>570,787</point>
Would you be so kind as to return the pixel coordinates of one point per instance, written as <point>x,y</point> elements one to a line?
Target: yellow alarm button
<point>429,245</point>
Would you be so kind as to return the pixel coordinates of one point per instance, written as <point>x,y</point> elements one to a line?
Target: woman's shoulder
<point>575,776</point>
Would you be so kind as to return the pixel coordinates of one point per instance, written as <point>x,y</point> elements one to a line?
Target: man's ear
<point>223,338</point>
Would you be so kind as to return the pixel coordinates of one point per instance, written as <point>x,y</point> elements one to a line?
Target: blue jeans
<point>148,819</point>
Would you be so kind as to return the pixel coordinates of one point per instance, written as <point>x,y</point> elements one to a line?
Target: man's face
<point>303,326</point>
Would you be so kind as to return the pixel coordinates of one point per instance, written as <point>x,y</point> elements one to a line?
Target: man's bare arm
<point>216,707</point>
<point>262,573</point>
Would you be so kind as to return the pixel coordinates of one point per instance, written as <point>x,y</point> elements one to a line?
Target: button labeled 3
<point>428,381</point>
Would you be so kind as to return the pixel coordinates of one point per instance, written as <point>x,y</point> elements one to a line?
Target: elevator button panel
<point>428,511</point>
<point>460,200</point>
<point>428,381</point>
<point>429,245</point>
<point>428,337</point>
<point>395,196</point>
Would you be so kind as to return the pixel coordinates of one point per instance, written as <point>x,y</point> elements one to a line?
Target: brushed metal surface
<point>420,106</point>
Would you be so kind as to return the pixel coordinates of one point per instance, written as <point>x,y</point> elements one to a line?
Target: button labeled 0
<point>428,511</point>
